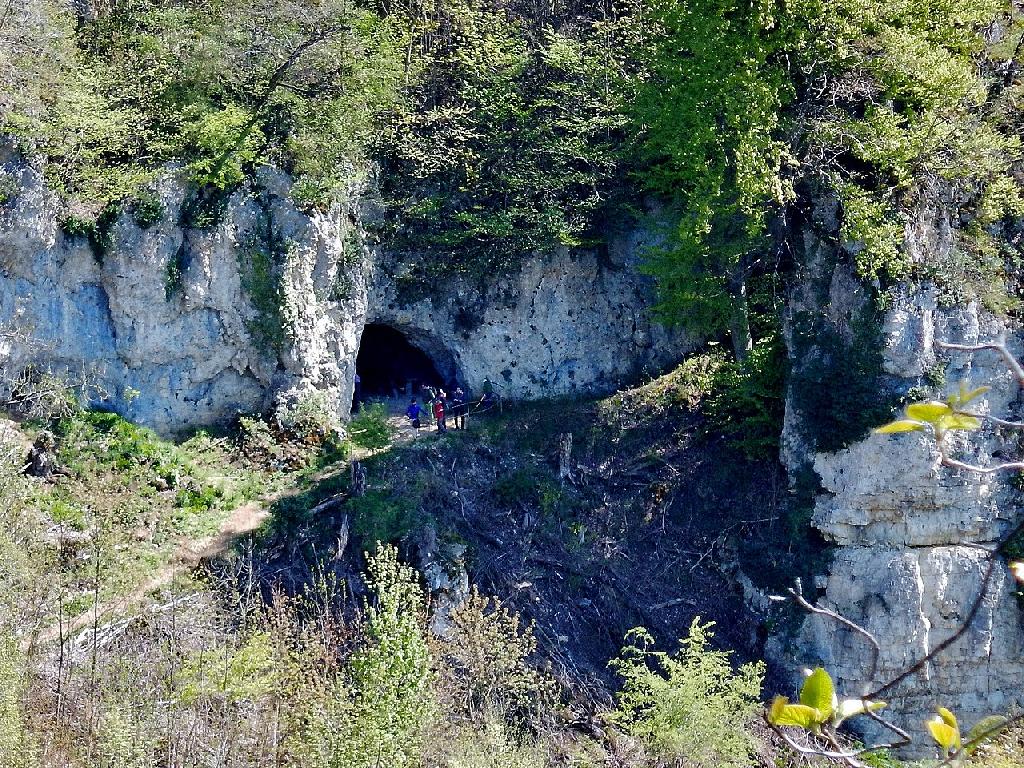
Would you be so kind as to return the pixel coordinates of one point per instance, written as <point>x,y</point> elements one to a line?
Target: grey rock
<point>179,352</point>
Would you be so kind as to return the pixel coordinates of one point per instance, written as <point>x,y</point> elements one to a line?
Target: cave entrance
<point>390,365</point>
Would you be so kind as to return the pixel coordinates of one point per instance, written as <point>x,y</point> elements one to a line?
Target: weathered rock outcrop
<point>910,536</point>
<point>178,326</point>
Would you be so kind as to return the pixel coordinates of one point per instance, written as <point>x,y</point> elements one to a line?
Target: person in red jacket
<point>439,415</point>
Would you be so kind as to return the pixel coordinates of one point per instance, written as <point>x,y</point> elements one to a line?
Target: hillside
<point>119,592</point>
<point>732,292</point>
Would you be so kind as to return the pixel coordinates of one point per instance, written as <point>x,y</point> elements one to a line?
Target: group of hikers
<point>439,405</point>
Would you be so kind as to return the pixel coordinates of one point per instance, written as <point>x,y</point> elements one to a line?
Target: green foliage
<point>915,77</point>
<point>938,417</point>
<point>147,210</point>
<point>485,657</point>
<point>896,106</point>
<point>174,273</point>
<point>196,498</point>
<point>17,747</point>
<point>511,144</point>
<point>120,444</point>
<point>246,673</point>
<point>747,399</point>
<point>261,281</point>
<point>311,417</point>
<point>380,517</point>
<point>121,744</point>
<point>9,187</point>
<point>376,716</point>
<point>691,705</point>
<point>370,428</point>
<point>705,106</point>
<point>227,143</point>
<point>517,488</point>
<point>875,234</point>
<point>493,745</point>
<point>221,86</point>
<point>840,390</point>
<point>819,706</point>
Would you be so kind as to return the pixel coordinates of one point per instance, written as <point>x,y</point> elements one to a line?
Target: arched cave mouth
<point>391,365</point>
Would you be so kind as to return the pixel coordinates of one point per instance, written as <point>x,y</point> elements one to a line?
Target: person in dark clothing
<point>459,408</point>
<point>439,415</point>
<point>413,412</point>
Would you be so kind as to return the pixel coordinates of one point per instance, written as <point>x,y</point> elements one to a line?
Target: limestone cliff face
<point>165,326</point>
<point>907,532</point>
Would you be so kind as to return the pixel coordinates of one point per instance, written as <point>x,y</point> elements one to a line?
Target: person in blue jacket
<point>413,412</point>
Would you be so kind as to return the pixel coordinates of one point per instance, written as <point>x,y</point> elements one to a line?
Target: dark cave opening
<point>389,365</point>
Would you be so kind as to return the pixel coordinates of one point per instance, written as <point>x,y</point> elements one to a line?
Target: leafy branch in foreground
<point>819,712</point>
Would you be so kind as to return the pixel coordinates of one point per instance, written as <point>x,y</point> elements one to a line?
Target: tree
<point>706,107</point>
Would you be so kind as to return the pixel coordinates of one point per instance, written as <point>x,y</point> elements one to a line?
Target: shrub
<point>227,142</point>
<point>261,281</point>
<point>494,745</point>
<point>310,417</point>
<point>747,400</point>
<point>376,714</point>
<point>147,210</point>
<point>486,669</point>
<point>122,743</point>
<point>246,673</point>
<point>520,487</point>
<point>8,187</point>
<point>377,517</point>
<point>690,706</point>
<point>371,429</point>
<point>40,396</point>
<point>17,748</point>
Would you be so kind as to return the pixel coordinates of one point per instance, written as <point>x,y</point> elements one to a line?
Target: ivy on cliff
<point>220,85</point>
<point>511,144</point>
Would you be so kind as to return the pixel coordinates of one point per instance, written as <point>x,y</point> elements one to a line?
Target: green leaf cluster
<point>376,713</point>
<point>819,706</point>
<point>705,105</point>
<point>510,144</point>
<point>739,109</point>
<point>688,706</point>
<point>939,417</point>
<point>221,85</point>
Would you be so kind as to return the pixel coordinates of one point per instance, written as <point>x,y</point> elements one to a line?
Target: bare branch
<point>999,345</point>
<point>876,648</point>
<point>995,420</point>
<point>1011,466</point>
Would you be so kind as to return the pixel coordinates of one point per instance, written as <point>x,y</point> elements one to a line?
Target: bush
<point>370,429</point>
<point>747,400</point>
<point>310,417</point>
<point>486,669</point>
<point>261,280</point>
<point>493,745</point>
<point>376,714</point>
<point>17,749</point>
<point>690,706</point>
<point>147,210</point>
<point>379,518</point>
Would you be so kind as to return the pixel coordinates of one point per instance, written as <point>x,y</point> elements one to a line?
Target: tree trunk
<point>739,323</point>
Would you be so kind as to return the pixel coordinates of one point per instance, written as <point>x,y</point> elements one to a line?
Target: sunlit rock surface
<point>161,324</point>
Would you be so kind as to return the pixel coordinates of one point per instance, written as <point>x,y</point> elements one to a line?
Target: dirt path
<point>189,554</point>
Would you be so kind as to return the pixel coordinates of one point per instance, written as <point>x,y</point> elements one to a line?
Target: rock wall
<point>173,350</point>
<point>909,534</point>
<point>568,322</point>
<point>164,325</point>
